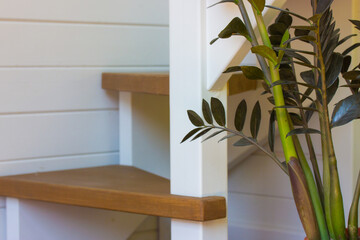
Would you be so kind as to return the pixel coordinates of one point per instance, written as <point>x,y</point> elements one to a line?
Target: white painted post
<point>197,169</point>
<point>12,219</point>
<point>125,129</point>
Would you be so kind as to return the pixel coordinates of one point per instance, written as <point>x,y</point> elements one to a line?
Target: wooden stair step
<point>120,188</point>
<point>153,83</point>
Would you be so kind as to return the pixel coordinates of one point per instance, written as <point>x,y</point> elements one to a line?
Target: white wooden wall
<point>53,113</point>
<point>260,200</point>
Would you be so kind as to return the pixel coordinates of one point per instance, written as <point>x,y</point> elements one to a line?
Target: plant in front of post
<point>295,99</point>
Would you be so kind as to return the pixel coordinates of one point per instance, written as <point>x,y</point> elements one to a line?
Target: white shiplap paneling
<point>58,44</point>
<point>57,134</point>
<point>98,11</point>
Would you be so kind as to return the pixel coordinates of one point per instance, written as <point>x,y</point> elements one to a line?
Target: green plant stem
<point>284,128</point>
<point>314,194</point>
<point>336,202</point>
<point>254,41</point>
<point>255,143</point>
<point>353,214</point>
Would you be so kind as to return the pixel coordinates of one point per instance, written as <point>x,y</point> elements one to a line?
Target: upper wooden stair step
<point>153,83</point>
<point>120,188</point>
<point>158,83</point>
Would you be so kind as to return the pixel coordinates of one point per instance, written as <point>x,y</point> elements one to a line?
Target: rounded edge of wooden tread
<point>118,188</point>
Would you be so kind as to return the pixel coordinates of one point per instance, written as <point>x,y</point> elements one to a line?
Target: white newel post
<point>197,169</point>
<point>125,128</point>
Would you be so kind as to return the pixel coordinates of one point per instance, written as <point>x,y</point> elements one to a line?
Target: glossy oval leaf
<point>190,134</point>
<point>218,111</point>
<point>265,52</point>
<point>352,75</point>
<point>252,73</point>
<point>201,134</point>
<point>232,69</point>
<point>195,119</point>
<point>284,18</point>
<point>356,23</point>
<point>346,64</point>
<point>308,77</point>
<point>331,91</point>
<point>334,71</point>
<point>271,134</point>
<point>240,116</point>
<point>277,29</point>
<point>346,110</point>
<point>255,120</point>
<point>297,131</point>
<point>207,112</point>
<point>235,27</point>
<point>296,119</point>
<point>242,142</point>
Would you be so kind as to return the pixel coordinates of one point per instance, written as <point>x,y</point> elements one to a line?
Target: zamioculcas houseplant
<point>296,98</point>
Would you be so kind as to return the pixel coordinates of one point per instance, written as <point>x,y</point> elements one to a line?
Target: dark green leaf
<point>284,18</point>
<point>346,110</point>
<point>265,52</point>
<point>346,64</point>
<point>201,134</point>
<point>356,23</point>
<point>334,71</point>
<point>297,56</point>
<point>296,119</point>
<point>258,5</point>
<point>323,5</point>
<point>330,92</point>
<point>302,131</point>
<point>253,73</point>
<point>309,114</point>
<point>271,135</point>
<point>347,51</point>
<point>308,77</point>
<point>287,11</point>
<point>227,137</point>
<point>303,38</point>
<point>233,69</point>
<point>225,1</point>
<point>218,111</point>
<point>309,28</point>
<point>294,50</point>
<point>235,27</point>
<point>307,94</point>
<point>190,134</point>
<point>207,112</point>
<point>345,39</point>
<point>301,32</point>
<point>242,142</point>
<point>213,135</point>
<point>240,116</point>
<point>214,40</point>
<point>195,119</point>
<point>351,75</point>
<point>277,29</point>
<point>255,120</point>
<point>275,40</point>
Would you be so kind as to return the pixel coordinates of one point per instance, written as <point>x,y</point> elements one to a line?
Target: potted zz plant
<point>296,99</point>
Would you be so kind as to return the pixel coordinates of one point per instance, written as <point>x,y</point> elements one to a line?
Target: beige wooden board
<point>39,44</point>
<point>57,134</point>
<point>103,11</point>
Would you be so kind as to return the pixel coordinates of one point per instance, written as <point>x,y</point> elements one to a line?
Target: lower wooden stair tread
<point>120,188</point>
<point>152,83</point>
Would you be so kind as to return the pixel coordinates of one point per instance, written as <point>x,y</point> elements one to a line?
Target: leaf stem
<point>353,214</point>
<point>336,202</point>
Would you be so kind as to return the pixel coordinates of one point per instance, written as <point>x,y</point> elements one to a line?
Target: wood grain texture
<point>119,188</point>
<point>238,83</point>
<point>153,83</point>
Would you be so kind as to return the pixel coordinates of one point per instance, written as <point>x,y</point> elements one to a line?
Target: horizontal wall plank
<point>108,11</point>
<point>265,211</point>
<point>37,44</point>
<point>57,163</point>
<point>260,175</point>
<point>57,89</point>
<point>58,134</point>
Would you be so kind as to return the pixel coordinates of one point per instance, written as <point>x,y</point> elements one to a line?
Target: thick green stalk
<point>326,173</point>
<point>314,194</point>
<point>336,201</point>
<point>353,214</point>
<point>254,41</point>
<point>309,222</point>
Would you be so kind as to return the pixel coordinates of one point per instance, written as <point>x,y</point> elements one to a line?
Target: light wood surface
<point>120,188</point>
<point>153,83</point>
<point>238,83</point>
